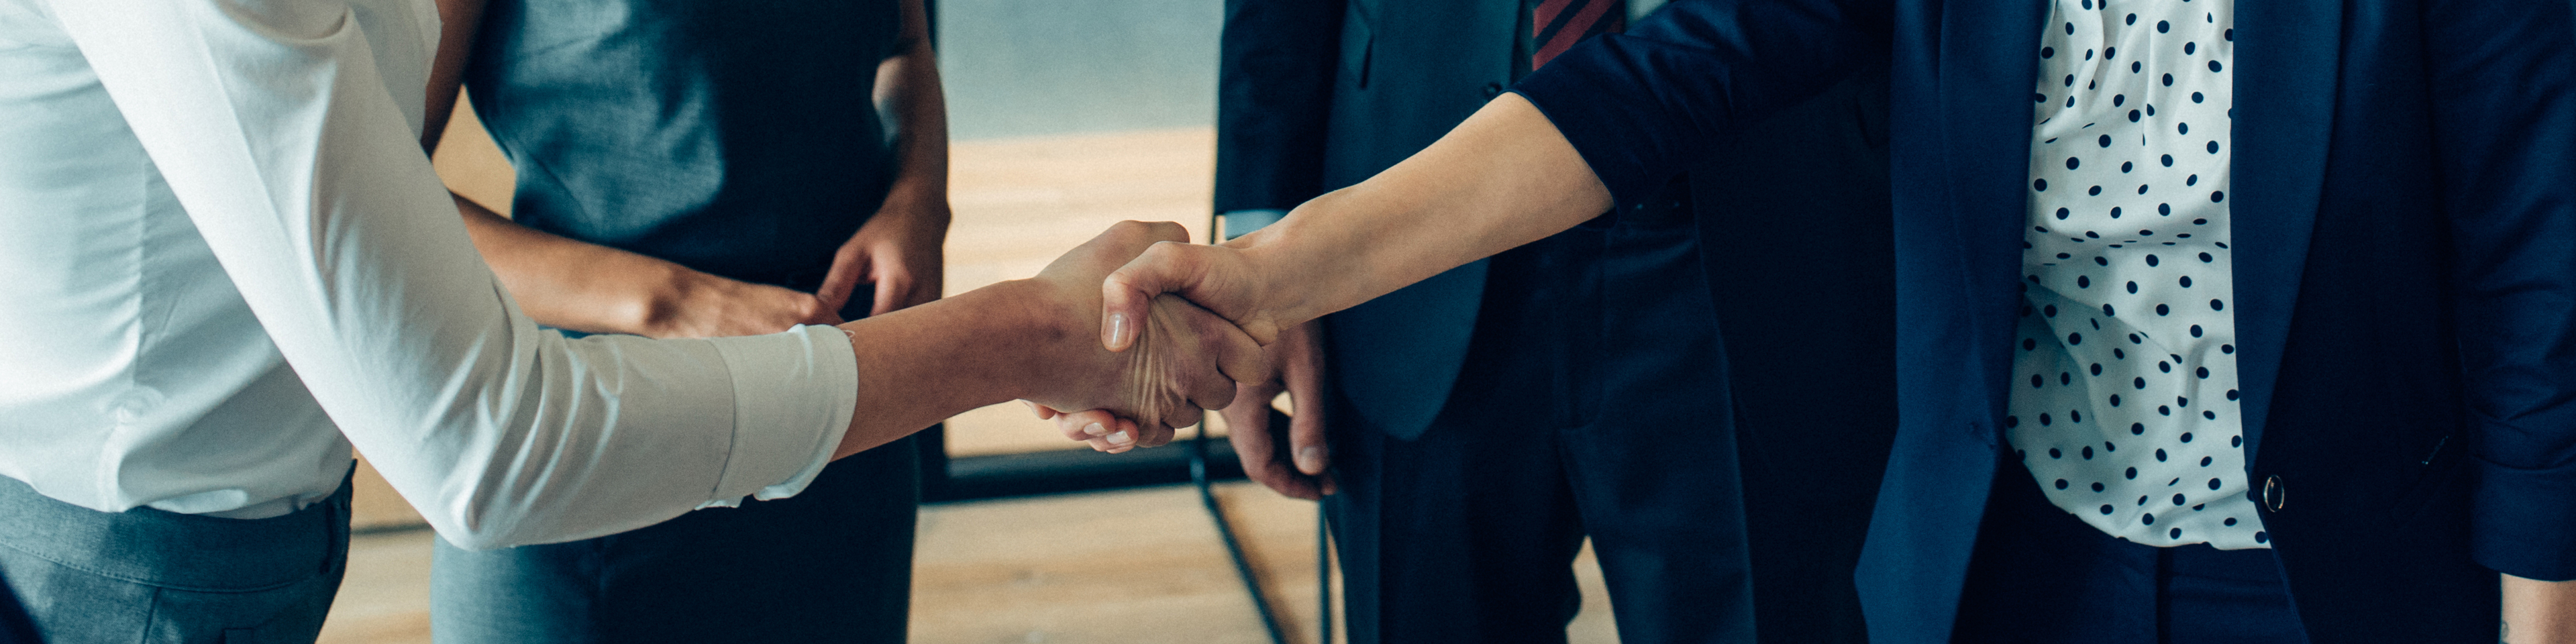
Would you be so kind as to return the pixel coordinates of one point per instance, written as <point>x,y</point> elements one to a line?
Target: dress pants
<point>2042,576</point>
<point>1588,403</point>
<point>832,564</point>
<point>149,576</point>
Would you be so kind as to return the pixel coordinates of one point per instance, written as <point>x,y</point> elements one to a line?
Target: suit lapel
<point>2286,61</point>
<point>1989,58</point>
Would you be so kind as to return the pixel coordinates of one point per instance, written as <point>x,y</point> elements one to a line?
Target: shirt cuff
<point>1242,222</point>
<point>794,394</point>
<point>2519,523</point>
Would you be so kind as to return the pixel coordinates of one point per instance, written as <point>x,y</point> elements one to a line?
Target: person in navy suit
<point>2333,246</point>
<point>1454,517</point>
<point>1483,422</point>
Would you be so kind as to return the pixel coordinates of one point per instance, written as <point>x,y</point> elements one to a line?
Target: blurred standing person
<point>1482,423</point>
<point>689,170</point>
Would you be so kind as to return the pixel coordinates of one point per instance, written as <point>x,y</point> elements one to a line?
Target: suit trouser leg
<point>1583,403</point>
<point>1466,532</point>
<point>1655,472</point>
<point>1461,535</point>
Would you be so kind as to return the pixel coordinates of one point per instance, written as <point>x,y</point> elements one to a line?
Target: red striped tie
<point>1557,24</point>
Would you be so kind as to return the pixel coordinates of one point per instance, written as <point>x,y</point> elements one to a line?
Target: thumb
<point>1187,270</point>
<point>1125,295</point>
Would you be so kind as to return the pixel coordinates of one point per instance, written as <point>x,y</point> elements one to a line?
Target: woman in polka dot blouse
<point>2218,321</point>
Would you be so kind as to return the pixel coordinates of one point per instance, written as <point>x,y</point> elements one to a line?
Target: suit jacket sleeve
<point>1274,93</point>
<point>2504,104</point>
<point>1642,105</point>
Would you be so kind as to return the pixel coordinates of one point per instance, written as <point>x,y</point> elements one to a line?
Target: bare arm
<point>586,287</point>
<point>898,250</point>
<point>1504,178</point>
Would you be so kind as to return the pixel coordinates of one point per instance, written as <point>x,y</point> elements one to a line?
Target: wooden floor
<point>1134,567</point>
<point>1137,566</point>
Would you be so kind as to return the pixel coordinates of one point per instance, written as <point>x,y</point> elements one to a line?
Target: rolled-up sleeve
<point>292,149</point>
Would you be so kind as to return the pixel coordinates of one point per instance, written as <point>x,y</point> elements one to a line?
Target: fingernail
<point>1311,459</point>
<point>1117,330</point>
<point>1094,429</point>
<point>1121,438</point>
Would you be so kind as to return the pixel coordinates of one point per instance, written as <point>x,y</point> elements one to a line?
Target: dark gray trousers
<point>149,576</point>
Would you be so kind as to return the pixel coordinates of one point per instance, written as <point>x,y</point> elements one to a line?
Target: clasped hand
<point>1179,359</point>
<point>1291,361</point>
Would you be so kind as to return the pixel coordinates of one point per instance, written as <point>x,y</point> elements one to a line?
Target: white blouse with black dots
<point>2124,401</point>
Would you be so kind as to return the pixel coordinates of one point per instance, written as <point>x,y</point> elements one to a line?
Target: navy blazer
<point>1315,95</point>
<point>2405,221</point>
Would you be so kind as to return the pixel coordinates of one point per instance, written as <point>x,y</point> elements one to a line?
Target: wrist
<point>653,309</point>
<point>1035,321</point>
<point>1278,297</point>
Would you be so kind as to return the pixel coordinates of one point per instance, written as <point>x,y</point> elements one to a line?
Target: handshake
<point>1176,329</point>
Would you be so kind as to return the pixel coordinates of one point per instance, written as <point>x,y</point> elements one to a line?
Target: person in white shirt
<point>230,263</point>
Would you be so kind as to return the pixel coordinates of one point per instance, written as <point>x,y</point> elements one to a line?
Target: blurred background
<point>1066,116</point>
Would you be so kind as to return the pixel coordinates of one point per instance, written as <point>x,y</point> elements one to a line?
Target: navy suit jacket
<point>2405,221</point>
<point>1315,95</point>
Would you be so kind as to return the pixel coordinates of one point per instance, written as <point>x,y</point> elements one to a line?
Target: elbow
<point>475,531</point>
<point>474,519</point>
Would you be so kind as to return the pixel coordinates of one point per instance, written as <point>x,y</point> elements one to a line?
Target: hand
<point>707,306</point>
<point>898,250</point>
<point>1296,465</point>
<point>1218,278</point>
<point>1185,359</point>
<point>1266,458</point>
<point>1102,430</point>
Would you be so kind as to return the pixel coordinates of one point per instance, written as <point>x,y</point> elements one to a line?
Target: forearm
<point>908,90</point>
<point>575,285</point>
<point>921,365</point>
<point>2538,611</point>
<point>1503,178</point>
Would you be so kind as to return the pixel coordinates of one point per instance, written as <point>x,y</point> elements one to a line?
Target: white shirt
<point>2124,401</point>
<point>202,200</point>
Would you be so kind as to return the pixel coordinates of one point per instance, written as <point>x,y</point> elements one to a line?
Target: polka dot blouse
<point>2124,401</point>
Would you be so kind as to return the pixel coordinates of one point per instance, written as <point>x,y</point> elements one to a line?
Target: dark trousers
<point>1589,403</point>
<point>832,564</point>
<point>149,576</point>
<point>2041,576</point>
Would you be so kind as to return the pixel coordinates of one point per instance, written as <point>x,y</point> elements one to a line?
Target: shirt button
<point>1493,90</point>
<point>2272,492</point>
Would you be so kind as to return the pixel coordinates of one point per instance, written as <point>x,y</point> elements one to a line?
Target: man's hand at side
<point>1294,464</point>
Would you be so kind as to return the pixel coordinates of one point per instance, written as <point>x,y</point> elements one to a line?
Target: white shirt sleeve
<point>289,136</point>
